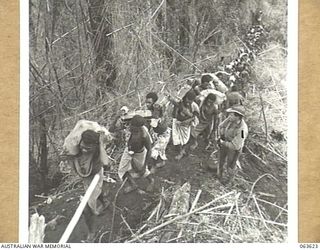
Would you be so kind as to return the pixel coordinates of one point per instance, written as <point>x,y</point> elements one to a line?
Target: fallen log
<point>178,218</point>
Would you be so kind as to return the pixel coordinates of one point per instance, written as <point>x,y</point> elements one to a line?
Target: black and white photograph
<point>158,121</point>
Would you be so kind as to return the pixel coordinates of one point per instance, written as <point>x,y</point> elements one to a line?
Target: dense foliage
<point>88,57</point>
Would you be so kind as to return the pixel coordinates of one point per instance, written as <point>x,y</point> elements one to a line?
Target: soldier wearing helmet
<point>232,131</point>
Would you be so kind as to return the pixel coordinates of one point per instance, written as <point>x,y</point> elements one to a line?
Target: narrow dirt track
<point>136,206</point>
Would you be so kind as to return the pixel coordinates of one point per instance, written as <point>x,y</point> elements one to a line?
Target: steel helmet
<point>239,109</point>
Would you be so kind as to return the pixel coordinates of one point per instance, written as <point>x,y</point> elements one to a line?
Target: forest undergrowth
<point>71,78</point>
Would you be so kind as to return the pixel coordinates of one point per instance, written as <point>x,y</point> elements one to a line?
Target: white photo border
<point>292,109</point>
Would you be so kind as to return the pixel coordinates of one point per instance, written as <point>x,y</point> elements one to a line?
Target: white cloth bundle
<point>219,85</point>
<point>220,96</point>
<point>71,142</point>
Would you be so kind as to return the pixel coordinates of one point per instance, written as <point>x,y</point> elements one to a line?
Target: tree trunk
<point>43,153</point>
<point>101,27</point>
<point>184,28</point>
<point>192,12</point>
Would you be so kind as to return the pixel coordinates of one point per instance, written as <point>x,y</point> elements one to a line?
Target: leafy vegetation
<point>90,57</point>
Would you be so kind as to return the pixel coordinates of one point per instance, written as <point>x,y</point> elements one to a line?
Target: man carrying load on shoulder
<point>133,163</point>
<point>161,135</point>
<point>207,120</point>
<point>205,83</point>
<point>185,116</point>
<point>214,111</point>
<point>87,163</point>
<point>233,132</point>
<point>210,81</point>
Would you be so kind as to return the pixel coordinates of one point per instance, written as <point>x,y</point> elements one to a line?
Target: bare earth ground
<point>135,207</point>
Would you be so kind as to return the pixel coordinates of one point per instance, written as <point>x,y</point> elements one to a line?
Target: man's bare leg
<point>131,184</point>
<point>103,204</point>
<point>193,142</point>
<point>89,219</point>
<point>181,151</point>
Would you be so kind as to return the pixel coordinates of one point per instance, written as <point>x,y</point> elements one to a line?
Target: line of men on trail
<point>146,134</point>
<point>197,113</point>
<point>208,108</point>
